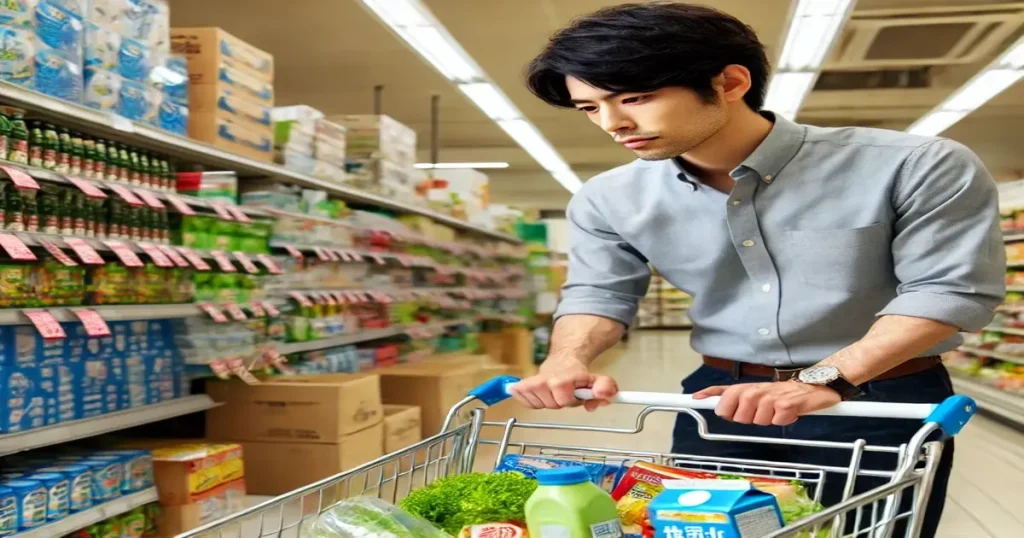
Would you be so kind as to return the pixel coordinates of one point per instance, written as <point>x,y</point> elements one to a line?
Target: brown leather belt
<point>738,369</point>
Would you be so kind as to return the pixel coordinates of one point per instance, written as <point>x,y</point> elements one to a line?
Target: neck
<point>726,149</point>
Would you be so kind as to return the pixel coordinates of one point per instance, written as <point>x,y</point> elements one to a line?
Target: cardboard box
<point>277,468</point>
<point>229,104</point>
<point>308,409</point>
<point>518,347</point>
<point>230,135</point>
<point>723,508</point>
<point>434,387</point>
<point>208,49</point>
<point>184,473</point>
<point>219,502</point>
<point>372,138</point>
<point>244,85</point>
<point>403,427</point>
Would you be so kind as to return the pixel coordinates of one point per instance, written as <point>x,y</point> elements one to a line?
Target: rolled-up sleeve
<point>606,276</point>
<point>947,246</point>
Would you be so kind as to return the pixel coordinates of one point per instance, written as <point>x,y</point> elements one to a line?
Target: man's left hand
<point>768,404</point>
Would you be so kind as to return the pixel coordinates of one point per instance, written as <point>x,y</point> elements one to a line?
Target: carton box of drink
<point>713,509</point>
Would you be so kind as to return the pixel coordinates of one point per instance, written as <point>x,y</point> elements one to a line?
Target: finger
<point>533,401</point>
<point>562,392</point>
<point>603,386</point>
<point>544,394</point>
<point>727,405</point>
<point>594,405</point>
<point>709,392</point>
<point>523,397</point>
<point>765,411</point>
<point>747,403</point>
<point>785,412</point>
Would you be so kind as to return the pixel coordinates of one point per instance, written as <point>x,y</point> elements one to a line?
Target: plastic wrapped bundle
<point>368,517</point>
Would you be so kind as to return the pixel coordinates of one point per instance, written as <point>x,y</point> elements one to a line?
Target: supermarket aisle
<point>989,458</point>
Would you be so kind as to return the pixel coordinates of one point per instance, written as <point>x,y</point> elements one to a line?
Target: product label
<point>126,195</point>
<point>15,248</point>
<point>107,482</point>
<point>214,313</point>
<point>180,204</point>
<point>58,253</point>
<point>33,508</point>
<point>246,263</point>
<point>175,257</point>
<point>93,323</point>
<point>272,310</point>
<point>85,252</point>
<point>127,257</point>
<point>149,199</point>
<point>223,262</point>
<point>59,500</point>
<point>46,324</point>
<point>193,258</point>
<point>81,493</point>
<point>8,516</point>
<point>87,187</point>
<point>300,298</point>
<point>235,312</point>
<point>607,529</point>
<point>159,258</point>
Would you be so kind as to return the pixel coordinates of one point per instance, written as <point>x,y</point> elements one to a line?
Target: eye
<point>588,109</point>
<point>635,99</point>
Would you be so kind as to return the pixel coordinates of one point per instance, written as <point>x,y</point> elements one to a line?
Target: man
<point>825,264</point>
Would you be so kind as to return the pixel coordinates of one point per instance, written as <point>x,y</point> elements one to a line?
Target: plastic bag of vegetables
<point>368,517</point>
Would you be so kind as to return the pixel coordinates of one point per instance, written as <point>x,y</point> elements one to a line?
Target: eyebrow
<point>585,101</point>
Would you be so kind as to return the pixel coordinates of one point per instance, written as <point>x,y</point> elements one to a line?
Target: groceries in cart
<point>368,517</point>
<point>456,502</point>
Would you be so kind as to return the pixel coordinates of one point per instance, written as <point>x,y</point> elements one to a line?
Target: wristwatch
<point>829,376</point>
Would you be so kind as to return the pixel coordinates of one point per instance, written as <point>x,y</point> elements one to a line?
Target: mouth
<point>636,143</point>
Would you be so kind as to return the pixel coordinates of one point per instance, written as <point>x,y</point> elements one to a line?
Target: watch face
<point>819,375</point>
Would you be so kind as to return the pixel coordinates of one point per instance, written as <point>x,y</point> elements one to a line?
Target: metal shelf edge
<point>90,427</point>
<point>991,399</point>
<point>95,514</point>
<point>365,336</point>
<point>992,354</point>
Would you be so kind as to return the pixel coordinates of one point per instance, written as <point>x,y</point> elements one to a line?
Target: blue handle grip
<point>953,413</point>
<point>495,390</point>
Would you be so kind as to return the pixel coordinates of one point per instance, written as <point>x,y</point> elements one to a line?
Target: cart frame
<point>897,505</point>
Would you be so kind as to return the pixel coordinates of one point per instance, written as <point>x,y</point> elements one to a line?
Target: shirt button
<point>768,177</point>
<point>766,287</point>
<point>748,243</point>
<point>763,332</point>
<point>735,202</point>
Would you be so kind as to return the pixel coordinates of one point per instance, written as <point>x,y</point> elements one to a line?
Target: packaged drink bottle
<point>133,219</point>
<point>113,162</point>
<point>145,179</point>
<point>63,151</point>
<point>165,228</point>
<point>99,162</point>
<point>67,221</point>
<point>50,208</point>
<point>51,146</point>
<point>78,215</point>
<point>5,135</point>
<point>134,171</point>
<point>37,144</point>
<point>77,154</point>
<point>88,157</point>
<point>14,215</point>
<point>3,206</point>
<point>568,505</point>
<point>124,163</point>
<point>100,215</point>
<point>114,218</point>
<point>17,146</point>
<point>31,210</point>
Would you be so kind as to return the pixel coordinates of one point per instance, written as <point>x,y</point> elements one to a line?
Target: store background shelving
<point>664,306</point>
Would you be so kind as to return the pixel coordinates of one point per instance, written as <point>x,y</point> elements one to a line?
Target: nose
<point>613,121</point>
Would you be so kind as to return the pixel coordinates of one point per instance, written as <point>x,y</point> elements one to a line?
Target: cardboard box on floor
<point>512,346</point>
<point>402,429</point>
<point>210,506</point>
<point>308,409</point>
<point>275,468</point>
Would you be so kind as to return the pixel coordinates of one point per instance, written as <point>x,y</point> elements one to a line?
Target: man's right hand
<point>553,387</point>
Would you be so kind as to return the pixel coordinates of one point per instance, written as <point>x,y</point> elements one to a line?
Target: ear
<point>732,83</point>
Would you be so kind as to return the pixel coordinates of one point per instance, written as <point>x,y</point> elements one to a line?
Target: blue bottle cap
<point>562,476</point>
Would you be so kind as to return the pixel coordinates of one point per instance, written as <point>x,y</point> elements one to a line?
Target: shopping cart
<point>877,513</point>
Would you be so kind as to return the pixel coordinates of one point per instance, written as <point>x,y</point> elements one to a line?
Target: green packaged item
<point>133,524</point>
<point>569,504</point>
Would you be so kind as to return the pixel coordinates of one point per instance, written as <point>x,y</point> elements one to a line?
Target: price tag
<point>56,252</point>
<point>235,312</point>
<point>272,310</point>
<point>20,179</point>
<point>150,200</point>
<point>126,195</point>
<point>292,251</point>
<point>197,261</point>
<point>214,312</point>
<point>94,324</point>
<point>159,258</point>
<point>318,298</point>
<point>16,248</point>
<point>404,261</point>
<point>46,324</point>
<point>300,298</point>
<point>169,251</point>
<point>281,363</point>
<point>223,262</point>
<point>342,254</point>
<point>355,256</point>
<point>180,204</point>
<point>257,309</point>
<point>269,263</point>
<point>331,301</point>
<point>220,369</point>
<point>339,296</point>
<point>246,263</point>
<point>87,187</point>
<point>322,254</point>
<point>84,250</point>
<point>238,214</point>
<point>378,259</point>
<point>354,297</point>
<point>125,254</point>
<point>221,211</point>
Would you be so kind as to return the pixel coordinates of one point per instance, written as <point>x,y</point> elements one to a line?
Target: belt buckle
<point>785,374</point>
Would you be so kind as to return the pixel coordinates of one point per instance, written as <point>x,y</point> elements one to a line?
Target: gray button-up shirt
<point>826,230</point>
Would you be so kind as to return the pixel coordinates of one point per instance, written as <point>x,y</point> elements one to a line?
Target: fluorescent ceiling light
<point>439,166</point>
<point>490,100</point>
<point>809,37</point>
<point>1004,72</point>
<point>416,25</point>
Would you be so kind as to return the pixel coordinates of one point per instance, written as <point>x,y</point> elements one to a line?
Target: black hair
<point>644,47</point>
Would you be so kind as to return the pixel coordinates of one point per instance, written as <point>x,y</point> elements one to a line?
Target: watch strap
<point>847,391</point>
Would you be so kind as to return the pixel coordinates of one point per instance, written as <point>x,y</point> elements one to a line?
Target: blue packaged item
<point>148,21</point>
<point>8,511</point>
<point>604,475</point>
<point>57,76</point>
<point>719,508</point>
<point>76,7</point>
<point>138,102</point>
<point>246,85</point>
<point>17,50</point>
<point>135,61</point>
<point>102,89</point>
<point>138,469</point>
<point>172,117</point>
<point>60,30</point>
<point>102,47</point>
<point>58,495</point>
<point>17,16</point>
<point>79,484</point>
<point>173,79</point>
<point>31,498</point>
<point>107,475</point>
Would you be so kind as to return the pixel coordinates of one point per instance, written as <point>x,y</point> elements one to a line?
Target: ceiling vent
<point>884,79</point>
<point>907,39</point>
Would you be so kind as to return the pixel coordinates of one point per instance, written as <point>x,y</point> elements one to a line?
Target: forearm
<point>583,337</point>
<point>891,341</point>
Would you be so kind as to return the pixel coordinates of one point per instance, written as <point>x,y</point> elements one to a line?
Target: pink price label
<point>196,260</point>
<point>215,314</point>
<point>377,259</point>
<point>223,262</point>
<point>331,301</point>
<point>159,258</point>
<point>20,179</point>
<point>318,298</point>
<point>57,253</point>
<point>293,252</point>
<point>235,312</point>
<point>322,254</point>
<point>221,211</point>
<point>149,199</point>
<point>46,324</point>
<point>237,366</point>
<point>87,187</point>
<point>300,298</point>
<point>220,369</point>
<point>123,253</point>
<point>272,310</point>
<point>339,296</point>
<point>169,251</point>
<point>356,257</point>
<point>126,195</point>
<point>342,254</point>
<point>84,250</point>
<point>238,214</point>
<point>93,323</point>
<point>269,263</point>
<point>180,204</point>
<point>246,263</point>
<point>16,248</point>
<point>257,309</point>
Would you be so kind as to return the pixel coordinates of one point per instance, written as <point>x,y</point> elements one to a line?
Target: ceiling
<point>895,61</point>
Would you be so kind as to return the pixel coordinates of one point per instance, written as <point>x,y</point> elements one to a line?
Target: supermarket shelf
<point>992,354</point>
<point>95,514</point>
<point>1006,330</point>
<point>117,127</point>
<point>364,336</point>
<point>991,399</point>
<point>1009,238</point>
<point>1015,264</point>
<point>91,427</point>
<point>1015,288</point>
<point>14,316</point>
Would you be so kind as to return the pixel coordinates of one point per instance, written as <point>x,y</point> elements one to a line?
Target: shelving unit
<point>992,354</point>
<point>991,399</point>
<point>364,336</point>
<point>664,306</point>
<point>95,514</point>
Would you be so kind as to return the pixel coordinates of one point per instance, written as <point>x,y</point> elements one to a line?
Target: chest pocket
<point>843,260</point>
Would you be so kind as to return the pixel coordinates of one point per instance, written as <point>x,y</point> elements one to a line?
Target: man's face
<point>657,125</point>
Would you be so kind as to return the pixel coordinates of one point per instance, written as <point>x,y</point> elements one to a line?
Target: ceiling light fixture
<point>451,166</point>
<point>811,33</point>
<point>999,75</point>
<point>416,25</point>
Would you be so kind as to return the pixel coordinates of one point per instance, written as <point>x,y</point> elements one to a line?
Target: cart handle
<point>951,415</point>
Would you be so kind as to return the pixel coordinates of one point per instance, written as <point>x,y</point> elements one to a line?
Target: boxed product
<point>209,49</point>
<point>229,104</point>
<point>203,508</point>
<point>314,409</point>
<point>370,138</point>
<point>723,508</point>
<point>231,136</point>
<point>32,64</point>
<point>432,386</point>
<point>145,21</point>
<point>183,471</point>
<point>402,427</point>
